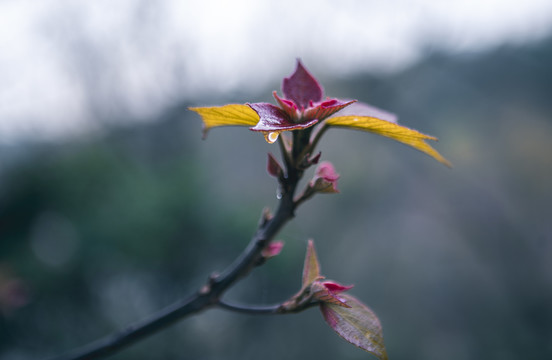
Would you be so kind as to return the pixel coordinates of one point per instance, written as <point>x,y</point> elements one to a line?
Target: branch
<point>277,309</point>
<point>111,344</point>
<point>210,293</point>
<point>255,310</point>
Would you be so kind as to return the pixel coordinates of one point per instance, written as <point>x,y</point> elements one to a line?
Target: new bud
<point>273,167</point>
<point>273,249</point>
<point>325,178</point>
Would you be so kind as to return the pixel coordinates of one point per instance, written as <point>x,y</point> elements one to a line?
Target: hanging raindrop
<point>271,137</point>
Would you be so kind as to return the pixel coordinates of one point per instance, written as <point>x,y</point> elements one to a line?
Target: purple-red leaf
<point>274,120</point>
<point>322,294</point>
<point>273,166</point>
<point>326,109</point>
<point>316,158</point>
<point>288,106</point>
<point>335,287</point>
<point>357,324</point>
<point>301,87</point>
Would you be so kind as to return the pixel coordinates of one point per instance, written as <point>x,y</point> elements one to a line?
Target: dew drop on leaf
<point>272,137</point>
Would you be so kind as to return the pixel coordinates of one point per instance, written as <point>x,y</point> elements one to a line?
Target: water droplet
<point>272,137</point>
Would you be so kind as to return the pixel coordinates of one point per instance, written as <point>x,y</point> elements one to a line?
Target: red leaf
<point>273,166</point>
<point>288,106</point>
<point>336,288</point>
<point>301,87</point>
<point>324,294</point>
<point>326,109</point>
<point>275,120</point>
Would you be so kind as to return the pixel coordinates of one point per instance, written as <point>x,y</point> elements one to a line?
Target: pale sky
<point>68,65</point>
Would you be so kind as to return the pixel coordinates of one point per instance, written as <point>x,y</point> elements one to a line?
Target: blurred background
<point>112,207</point>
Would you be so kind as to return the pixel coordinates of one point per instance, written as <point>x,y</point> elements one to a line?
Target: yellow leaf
<point>391,130</point>
<point>227,115</point>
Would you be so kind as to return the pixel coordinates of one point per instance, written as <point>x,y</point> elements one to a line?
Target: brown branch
<point>211,292</point>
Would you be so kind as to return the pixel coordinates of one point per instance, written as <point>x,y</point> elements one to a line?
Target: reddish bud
<point>273,249</point>
<point>316,158</point>
<point>325,178</point>
<point>327,292</point>
<point>336,288</point>
<point>273,167</point>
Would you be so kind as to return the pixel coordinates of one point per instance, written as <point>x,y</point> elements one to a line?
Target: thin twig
<point>256,310</point>
<point>277,309</point>
<point>209,294</point>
